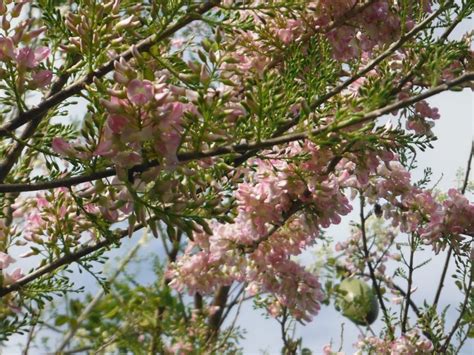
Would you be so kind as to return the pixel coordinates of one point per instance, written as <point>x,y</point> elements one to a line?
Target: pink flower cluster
<point>246,252</point>
<point>409,207</point>
<point>144,118</point>
<point>52,219</point>
<point>141,111</point>
<point>410,343</point>
<point>212,261</point>
<point>14,49</point>
<point>418,122</point>
<point>9,277</point>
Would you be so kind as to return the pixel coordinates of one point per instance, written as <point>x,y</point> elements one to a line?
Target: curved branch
<point>65,260</point>
<point>243,148</point>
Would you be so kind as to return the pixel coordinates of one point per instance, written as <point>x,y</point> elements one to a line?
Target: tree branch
<point>450,250</point>
<point>410,280</point>
<point>70,334</point>
<point>244,148</point>
<point>371,269</point>
<point>65,260</point>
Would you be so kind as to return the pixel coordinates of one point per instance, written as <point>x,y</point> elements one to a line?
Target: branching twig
<point>410,280</point>
<point>450,250</point>
<point>74,328</point>
<point>373,277</point>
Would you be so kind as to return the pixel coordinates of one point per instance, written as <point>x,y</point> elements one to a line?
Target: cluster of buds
<point>17,50</point>
<point>94,26</point>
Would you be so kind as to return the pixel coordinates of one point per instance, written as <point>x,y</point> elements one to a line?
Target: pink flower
<point>127,159</point>
<point>5,260</point>
<point>7,49</point>
<point>9,278</point>
<point>104,148</point>
<point>62,147</point>
<point>140,92</point>
<point>27,57</point>
<point>41,78</point>
<point>117,123</point>
<point>285,35</point>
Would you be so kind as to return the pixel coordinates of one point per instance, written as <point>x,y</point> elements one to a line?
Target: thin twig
<point>410,280</point>
<point>30,337</point>
<point>373,277</point>
<point>465,303</point>
<point>70,334</point>
<point>450,250</point>
<point>66,260</point>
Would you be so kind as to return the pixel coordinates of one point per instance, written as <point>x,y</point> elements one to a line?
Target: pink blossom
<point>140,92</point>
<point>30,58</point>
<point>117,123</point>
<point>5,260</point>
<point>285,35</point>
<point>61,147</point>
<point>41,78</point>
<point>105,148</point>
<point>14,276</point>
<point>7,48</point>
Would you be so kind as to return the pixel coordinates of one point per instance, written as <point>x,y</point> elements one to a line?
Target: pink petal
<point>61,147</point>
<point>140,92</point>
<point>117,123</point>
<point>42,78</point>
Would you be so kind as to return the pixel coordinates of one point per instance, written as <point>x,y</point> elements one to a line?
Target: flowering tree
<point>237,132</point>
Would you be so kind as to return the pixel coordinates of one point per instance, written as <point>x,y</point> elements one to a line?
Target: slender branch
<point>65,260</point>
<point>371,268</point>
<point>67,338</point>
<point>289,346</point>
<point>234,302</point>
<point>463,340</point>
<point>232,326</point>
<point>465,303</point>
<point>410,280</point>
<point>220,299</point>
<point>409,301</point>
<point>30,337</point>
<point>244,147</point>
<point>156,344</point>
<point>442,278</point>
<point>450,250</point>
<point>468,170</point>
